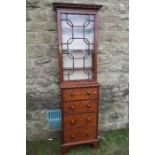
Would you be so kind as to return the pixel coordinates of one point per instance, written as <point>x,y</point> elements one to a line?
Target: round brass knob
<point>88,105</point>
<point>72,107</point>
<point>72,121</point>
<point>72,136</point>
<point>88,93</point>
<point>89,119</point>
<point>71,95</point>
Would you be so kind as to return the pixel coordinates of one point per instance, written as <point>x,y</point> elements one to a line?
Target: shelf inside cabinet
<point>81,68</point>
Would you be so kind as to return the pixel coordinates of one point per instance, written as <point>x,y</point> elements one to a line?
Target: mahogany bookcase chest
<point>78,42</point>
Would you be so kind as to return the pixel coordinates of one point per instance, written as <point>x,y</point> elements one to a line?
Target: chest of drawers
<point>79,115</point>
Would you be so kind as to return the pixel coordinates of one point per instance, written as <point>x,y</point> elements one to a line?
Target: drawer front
<point>79,120</point>
<point>77,135</point>
<point>70,107</point>
<point>80,93</point>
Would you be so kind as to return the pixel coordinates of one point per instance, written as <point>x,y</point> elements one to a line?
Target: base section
<point>66,147</point>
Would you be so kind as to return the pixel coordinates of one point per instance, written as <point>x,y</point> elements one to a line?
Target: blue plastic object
<point>54,118</point>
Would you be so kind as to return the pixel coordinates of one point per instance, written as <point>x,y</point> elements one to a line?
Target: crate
<point>54,118</point>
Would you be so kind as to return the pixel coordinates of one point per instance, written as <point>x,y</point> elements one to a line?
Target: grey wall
<point>43,90</point>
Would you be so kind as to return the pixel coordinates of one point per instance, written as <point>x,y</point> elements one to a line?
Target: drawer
<point>80,93</point>
<point>70,107</point>
<point>78,121</point>
<point>78,135</point>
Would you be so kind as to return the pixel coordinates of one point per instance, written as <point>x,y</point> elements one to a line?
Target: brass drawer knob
<point>89,119</point>
<point>88,105</point>
<point>72,107</point>
<point>72,136</point>
<point>72,121</point>
<point>88,93</point>
<point>71,95</point>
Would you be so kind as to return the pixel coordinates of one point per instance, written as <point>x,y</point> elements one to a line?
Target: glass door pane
<point>77,46</point>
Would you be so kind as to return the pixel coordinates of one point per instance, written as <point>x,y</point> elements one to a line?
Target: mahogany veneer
<point>80,121</point>
<point>71,107</point>
<point>80,115</point>
<point>79,135</point>
<point>80,93</point>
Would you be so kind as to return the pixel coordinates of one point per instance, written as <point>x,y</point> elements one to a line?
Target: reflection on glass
<point>66,32</point>
<point>68,61</point>
<point>78,20</point>
<point>78,44</point>
<point>78,32</point>
<point>91,17</point>
<point>89,32</point>
<point>77,75</point>
<point>63,16</point>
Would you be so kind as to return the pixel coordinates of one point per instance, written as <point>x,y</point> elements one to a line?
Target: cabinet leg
<point>96,145</point>
<point>64,150</point>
